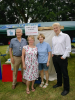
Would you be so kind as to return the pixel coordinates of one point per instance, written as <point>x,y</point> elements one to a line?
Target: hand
<point>12,60</point>
<point>47,64</point>
<point>62,58</point>
<point>24,67</point>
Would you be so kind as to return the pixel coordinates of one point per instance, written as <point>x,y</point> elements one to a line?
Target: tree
<point>8,12</point>
<point>66,10</point>
<point>19,11</point>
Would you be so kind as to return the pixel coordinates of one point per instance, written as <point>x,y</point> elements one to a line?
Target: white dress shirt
<point>61,45</point>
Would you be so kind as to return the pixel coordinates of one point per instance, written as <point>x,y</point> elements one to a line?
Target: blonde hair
<point>41,36</point>
<point>31,36</point>
<point>56,24</point>
<point>19,29</point>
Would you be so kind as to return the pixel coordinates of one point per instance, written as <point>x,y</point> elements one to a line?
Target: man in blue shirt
<point>16,46</point>
<point>43,58</point>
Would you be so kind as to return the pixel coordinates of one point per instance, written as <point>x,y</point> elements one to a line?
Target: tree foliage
<point>19,11</point>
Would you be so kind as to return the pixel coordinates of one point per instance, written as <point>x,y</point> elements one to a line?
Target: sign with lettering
<point>31,30</point>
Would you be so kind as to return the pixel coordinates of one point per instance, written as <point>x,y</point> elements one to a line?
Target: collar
<point>59,34</point>
<point>17,39</point>
<point>42,42</point>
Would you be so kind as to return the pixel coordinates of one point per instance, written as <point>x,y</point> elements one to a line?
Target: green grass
<point>73,44</point>
<point>6,92</point>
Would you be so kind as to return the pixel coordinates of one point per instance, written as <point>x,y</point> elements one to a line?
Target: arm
<point>12,60</point>
<point>67,48</point>
<point>52,48</point>
<point>49,54</point>
<point>23,58</point>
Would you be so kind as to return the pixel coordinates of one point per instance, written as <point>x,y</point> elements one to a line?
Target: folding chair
<point>7,53</point>
<point>3,55</point>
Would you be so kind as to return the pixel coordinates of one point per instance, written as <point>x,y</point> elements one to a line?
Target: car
<point>1,43</point>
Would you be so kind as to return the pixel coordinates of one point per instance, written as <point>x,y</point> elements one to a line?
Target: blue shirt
<point>17,46</point>
<point>43,49</point>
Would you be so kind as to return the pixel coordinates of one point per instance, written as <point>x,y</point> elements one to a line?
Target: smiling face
<point>31,41</point>
<point>18,33</point>
<point>56,29</point>
<point>41,39</point>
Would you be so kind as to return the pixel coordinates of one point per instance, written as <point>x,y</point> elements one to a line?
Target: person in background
<point>16,46</point>
<point>61,48</point>
<point>44,53</point>
<point>30,63</point>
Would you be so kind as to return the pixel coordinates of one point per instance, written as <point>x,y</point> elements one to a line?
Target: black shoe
<point>65,92</point>
<point>55,86</point>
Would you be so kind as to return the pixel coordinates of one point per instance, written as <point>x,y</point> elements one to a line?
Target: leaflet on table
<point>9,62</point>
<point>18,69</point>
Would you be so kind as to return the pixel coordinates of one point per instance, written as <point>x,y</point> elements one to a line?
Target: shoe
<point>41,85</point>
<point>64,93</point>
<point>32,90</point>
<point>45,85</point>
<point>28,92</point>
<point>13,86</point>
<point>55,86</point>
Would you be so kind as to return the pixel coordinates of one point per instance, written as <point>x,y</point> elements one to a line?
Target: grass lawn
<point>73,44</point>
<point>6,92</point>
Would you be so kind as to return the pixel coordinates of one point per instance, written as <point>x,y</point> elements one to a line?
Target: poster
<point>31,30</point>
<point>11,32</point>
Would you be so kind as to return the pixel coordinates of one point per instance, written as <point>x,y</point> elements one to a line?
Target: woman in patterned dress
<point>30,63</point>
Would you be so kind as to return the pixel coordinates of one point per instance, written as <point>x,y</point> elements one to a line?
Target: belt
<point>58,55</point>
<point>16,56</point>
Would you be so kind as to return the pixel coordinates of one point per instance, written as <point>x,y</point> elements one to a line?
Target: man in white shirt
<point>61,48</point>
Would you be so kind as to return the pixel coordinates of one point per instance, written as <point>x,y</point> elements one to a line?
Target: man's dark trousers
<point>61,69</point>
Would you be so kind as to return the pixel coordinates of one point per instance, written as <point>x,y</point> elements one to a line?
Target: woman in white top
<point>30,63</point>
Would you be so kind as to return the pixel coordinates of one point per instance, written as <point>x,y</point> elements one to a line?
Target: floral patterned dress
<point>31,62</point>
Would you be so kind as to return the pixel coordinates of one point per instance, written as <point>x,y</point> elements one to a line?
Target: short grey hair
<point>19,29</point>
